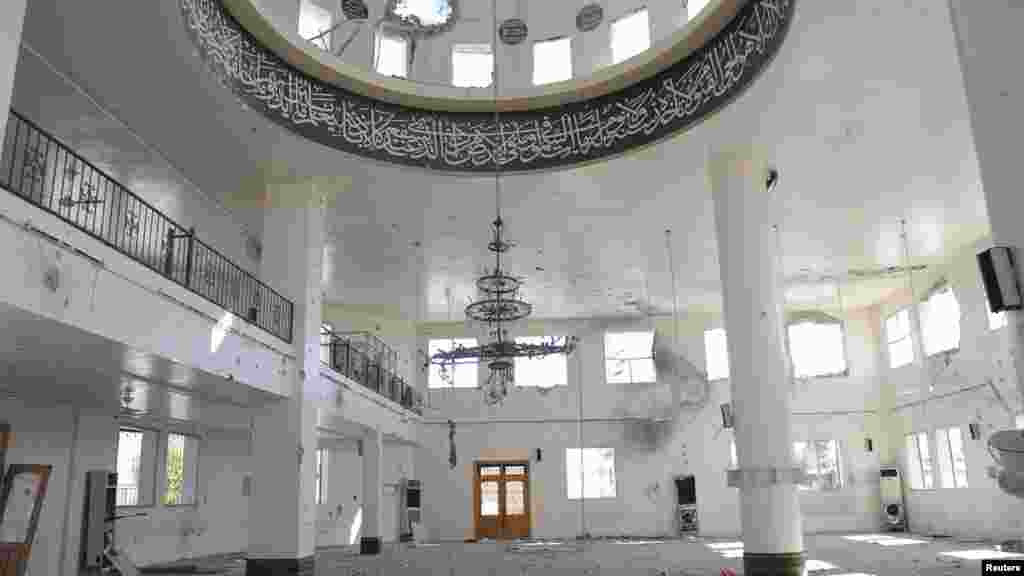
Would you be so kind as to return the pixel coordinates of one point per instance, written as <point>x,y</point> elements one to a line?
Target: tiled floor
<point>830,555</point>
<point>833,555</point>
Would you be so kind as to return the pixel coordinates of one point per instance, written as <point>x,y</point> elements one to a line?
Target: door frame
<point>476,493</point>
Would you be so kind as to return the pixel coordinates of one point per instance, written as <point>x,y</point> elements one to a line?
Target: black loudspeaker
<point>686,490</point>
<point>727,415</point>
<point>975,430</point>
<point>868,445</point>
<point>999,275</point>
<point>538,454</point>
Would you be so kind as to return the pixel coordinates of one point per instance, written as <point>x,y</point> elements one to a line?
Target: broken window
<point>629,357</point>
<point>315,19</point>
<point>631,35</point>
<point>392,54</point>
<point>716,352</point>
<point>940,321</point>
<point>472,65</point>
<point>821,464</point>
<point>816,346</point>
<point>952,463</point>
<point>898,336</point>
<point>919,461</point>
<point>543,371</point>
<point>590,473</point>
<point>552,61</point>
<point>457,376</point>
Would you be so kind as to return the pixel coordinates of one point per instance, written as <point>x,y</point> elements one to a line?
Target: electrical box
<point>409,494</point>
<point>98,517</point>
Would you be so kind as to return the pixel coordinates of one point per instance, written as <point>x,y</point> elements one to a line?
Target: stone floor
<point>835,555</point>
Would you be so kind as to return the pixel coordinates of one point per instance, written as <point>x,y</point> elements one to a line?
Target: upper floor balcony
<point>369,362</point>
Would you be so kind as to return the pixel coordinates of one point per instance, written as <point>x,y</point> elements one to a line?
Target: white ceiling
<point>863,110</point>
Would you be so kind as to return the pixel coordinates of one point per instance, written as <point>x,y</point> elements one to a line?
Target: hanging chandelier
<point>498,304</point>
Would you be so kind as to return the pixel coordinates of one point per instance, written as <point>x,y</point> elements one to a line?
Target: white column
<point>12,17</point>
<point>746,216</point>
<point>282,509</point>
<point>373,491</point>
<point>989,43</point>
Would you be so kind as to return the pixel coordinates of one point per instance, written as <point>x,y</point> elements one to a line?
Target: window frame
<point>707,355</point>
<point>451,55</point>
<point>562,357</point>
<point>923,312</point>
<point>572,70</point>
<point>432,368</point>
<point>629,360</point>
<point>194,503</point>
<point>908,337</point>
<point>817,318</point>
<point>326,330</point>
<point>154,464</point>
<point>583,472</point>
<point>917,456</point>
<point>327,39</point>
<point>945,457</point>
<point>611,33</point>
<point>320,475</point>
<point>686,6</point>
<point>379,37</point>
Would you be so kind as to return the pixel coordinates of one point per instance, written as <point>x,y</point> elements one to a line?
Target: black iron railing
<point>38,168</point>
<point>369,362</point>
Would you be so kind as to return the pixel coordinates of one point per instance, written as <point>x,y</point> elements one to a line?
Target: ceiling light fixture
<point>498,303</point>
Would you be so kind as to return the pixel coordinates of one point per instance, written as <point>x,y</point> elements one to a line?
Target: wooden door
<point>502,500</point>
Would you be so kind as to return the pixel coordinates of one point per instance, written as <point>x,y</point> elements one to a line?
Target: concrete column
<point>989,44</point>
<point>746,216</point>
<point>373,492</point>
<point>282,509</point>
<point>12,17</point>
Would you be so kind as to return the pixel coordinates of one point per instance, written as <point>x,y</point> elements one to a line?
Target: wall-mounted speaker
<point>727,420</point>
<point>538,454</point>
<point>868,445</point>
<point>975,429</point>
<point>999,276</point>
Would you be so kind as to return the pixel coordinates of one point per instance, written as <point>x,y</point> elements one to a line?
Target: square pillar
<point>282,508</point>
<point>747,218</point>
<point>12,18</point>
<point>373,492</point>
<point>989,44</point>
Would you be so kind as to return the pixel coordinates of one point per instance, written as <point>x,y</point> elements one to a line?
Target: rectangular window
<point>180,473</point>
<point>919,461</point>
<point>734,461</point>
<point>321,467</point>
<point>821,463</point>
<point>816,349</point>
<point>995,320</point>
<point>693,7</point>
<point>472,65</point>
<point>716,351</point>
<point>629,357</point>
<point>314,20</point>
<point>631,35</point>
<point>458,376</point>
<point>552,61</point>
<point>898,336</point>
<point>590,472</point>
<point>136,467</point>
<point>545,372</point>
<point>952,463</point>
<point>392,55</point>
<point>940,322</point>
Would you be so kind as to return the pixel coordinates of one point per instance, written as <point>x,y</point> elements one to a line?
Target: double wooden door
<point>502,500</point>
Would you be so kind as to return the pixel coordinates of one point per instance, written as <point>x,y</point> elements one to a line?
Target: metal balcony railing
<point>369,362</point>
<point>36,167</point>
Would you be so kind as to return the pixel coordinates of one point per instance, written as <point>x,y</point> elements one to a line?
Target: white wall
<point>345,489</point>
<point>647,457</point>
<point>981,509</point>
